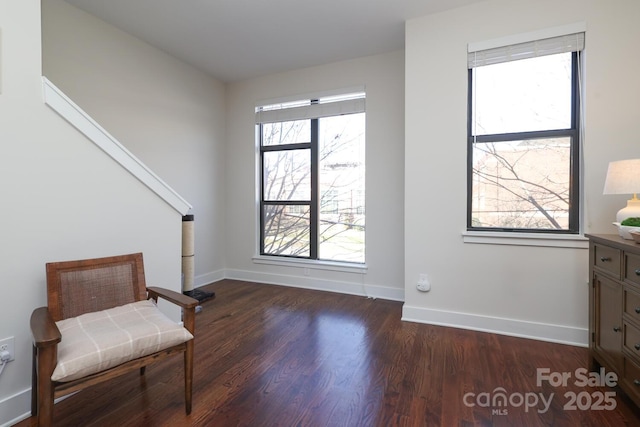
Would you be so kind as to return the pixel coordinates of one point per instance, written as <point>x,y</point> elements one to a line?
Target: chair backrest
<point>84,286</point>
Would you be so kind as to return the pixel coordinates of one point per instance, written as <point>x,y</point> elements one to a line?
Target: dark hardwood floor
<point>276,356</point>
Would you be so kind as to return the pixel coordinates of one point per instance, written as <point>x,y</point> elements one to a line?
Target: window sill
<point>345,267</point>
<point>575,241</point>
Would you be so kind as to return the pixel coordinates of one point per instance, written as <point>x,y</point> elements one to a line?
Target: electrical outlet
<point>8,345</point>
<point>423,284</point>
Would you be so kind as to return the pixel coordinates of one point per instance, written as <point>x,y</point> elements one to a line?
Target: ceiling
<point>235,40</point>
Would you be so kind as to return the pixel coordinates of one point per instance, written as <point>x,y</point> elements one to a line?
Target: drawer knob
<point>637,346</point>
<point>636,382</point>
<point>637,310</point>
<point>617,329</point>
<point>605,259</point>
<point>638,272</point>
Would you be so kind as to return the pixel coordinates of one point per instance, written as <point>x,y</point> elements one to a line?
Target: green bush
<point>631,222</point>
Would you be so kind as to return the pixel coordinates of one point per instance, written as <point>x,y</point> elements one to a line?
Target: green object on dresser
<point>631,222</point>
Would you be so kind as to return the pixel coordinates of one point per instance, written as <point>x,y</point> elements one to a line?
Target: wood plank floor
<point>276,356</point>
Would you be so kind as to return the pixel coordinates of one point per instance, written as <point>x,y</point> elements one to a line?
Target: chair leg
<point>46,360</point>
<point>188,376</point>
<point>34,382</point>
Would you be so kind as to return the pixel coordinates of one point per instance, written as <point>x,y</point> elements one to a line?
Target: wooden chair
<point>86,289</point>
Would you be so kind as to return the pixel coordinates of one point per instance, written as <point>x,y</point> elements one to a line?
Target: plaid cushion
<point>97,341</point>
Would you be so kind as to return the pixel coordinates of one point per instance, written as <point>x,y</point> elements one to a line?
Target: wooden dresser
<point>614,309</point>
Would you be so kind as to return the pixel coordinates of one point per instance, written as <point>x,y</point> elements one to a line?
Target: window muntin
<point>523,145</point>
<point>312,186</point>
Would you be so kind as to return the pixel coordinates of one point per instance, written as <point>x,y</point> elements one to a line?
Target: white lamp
<point>623,177</point>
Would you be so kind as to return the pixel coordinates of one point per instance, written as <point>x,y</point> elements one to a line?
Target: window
<point>312,161</point>
<point>523,137</point>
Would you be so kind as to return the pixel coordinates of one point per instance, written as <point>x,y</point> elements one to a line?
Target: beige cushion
<point>97,341</point>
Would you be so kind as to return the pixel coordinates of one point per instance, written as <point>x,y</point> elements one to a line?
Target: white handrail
<point>71,112</point>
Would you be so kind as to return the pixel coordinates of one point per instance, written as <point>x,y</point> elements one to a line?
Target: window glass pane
<point>522,184</point>
<point>295,132</point>
<point>342,188</point>
<point>286,230</point>
<point>522,96</point>
<point>287,175</point>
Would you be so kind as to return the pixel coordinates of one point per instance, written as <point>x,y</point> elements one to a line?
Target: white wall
<point>167,113</point>
<point>62,198</point>
<point>520,290</point>
<point>383,76</point>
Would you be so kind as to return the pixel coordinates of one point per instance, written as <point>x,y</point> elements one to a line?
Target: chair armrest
<point>43,329</point>
<point>186,302</point>
<point>177,298</point>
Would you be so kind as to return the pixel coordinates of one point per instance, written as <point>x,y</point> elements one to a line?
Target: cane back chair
<point>84,294</point>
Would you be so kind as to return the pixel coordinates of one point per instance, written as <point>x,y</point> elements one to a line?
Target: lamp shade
<point>623,177</point>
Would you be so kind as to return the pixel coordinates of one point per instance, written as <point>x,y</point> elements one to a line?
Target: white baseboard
<point>517,328</point>
<point>12,408</point>
<point>371,291</point>
<point>205,279</point>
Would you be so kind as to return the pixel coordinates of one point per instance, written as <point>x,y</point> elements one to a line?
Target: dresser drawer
<point>631,378</point>
<point>632,304</point>
<point>632,268</point>
<point>631,340</point>
<point>607,259</point>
